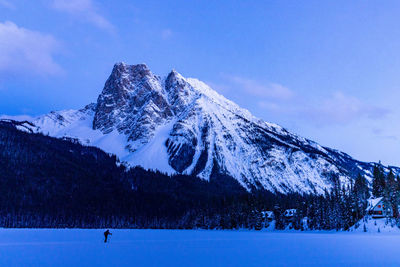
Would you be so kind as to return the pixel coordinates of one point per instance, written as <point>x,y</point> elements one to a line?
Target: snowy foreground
<point>23,247</point>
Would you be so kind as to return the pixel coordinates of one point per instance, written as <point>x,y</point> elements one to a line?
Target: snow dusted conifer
<point>378,183</point>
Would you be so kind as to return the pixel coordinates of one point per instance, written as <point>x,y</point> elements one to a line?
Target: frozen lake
<point>24,247</point>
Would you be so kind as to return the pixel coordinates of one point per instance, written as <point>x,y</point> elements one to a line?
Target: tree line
<point>56,183</point>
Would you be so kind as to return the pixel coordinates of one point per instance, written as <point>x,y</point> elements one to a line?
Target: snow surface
<point>16,117</point>
<point>32,247</point>
<point>373,226</point>
<point>79,124</point>
<point>372,202</point>
<point>153,155</point>
<point>135,117</point>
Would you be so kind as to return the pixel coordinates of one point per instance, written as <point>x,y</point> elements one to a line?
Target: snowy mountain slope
<point>369,225</point>
<point>182,125</point>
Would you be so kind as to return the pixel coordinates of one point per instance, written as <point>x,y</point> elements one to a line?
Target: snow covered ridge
<point>181,125</point>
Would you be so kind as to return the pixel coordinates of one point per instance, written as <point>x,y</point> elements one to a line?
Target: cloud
<point>271,106</point>
<point>6,4</point>
<point>382,134</point>
<point>84,9</point>
<point>166,34</point>
<point>338,108</point>
<point>342,109</point>
<point>280,101</point>
<point>269,90</point>
<point>27,50</point>
<point>16,117</point>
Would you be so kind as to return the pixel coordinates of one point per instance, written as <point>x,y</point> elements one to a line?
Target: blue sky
<point>326,70</point>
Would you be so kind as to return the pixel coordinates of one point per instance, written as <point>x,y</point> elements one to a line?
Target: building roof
<point>268,214</point>
<point>372,202</point>
<point>290,212</point>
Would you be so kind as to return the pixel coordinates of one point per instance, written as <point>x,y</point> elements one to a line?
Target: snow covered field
<point>24,247</point>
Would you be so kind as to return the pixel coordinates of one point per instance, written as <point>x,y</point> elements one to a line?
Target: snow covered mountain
<point>181,125</point>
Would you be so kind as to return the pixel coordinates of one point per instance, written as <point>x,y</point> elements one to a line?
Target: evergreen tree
<point>359,196</point>
<point>392,194</point>
<point>378,183</point>
<point>49,182</point>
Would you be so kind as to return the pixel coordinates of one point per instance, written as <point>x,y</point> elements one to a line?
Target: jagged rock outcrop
<point>181,125</point>
<point>132,98</point>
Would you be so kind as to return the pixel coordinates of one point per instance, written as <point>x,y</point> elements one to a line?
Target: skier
<point>106,233</point>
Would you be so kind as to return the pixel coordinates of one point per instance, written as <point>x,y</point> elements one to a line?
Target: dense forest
<point>50,182</point>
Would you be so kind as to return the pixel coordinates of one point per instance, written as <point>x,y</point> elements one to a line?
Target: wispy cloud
<point>383,134</point>
<point>268,90</point>
<point>16,117</point>
<point>338,108</point>
<point>334,109</point>
<point>6,4</point>
<point>166,34</point>
<point>83,9</point>
<point>341,108</point>
<point>23,49</point>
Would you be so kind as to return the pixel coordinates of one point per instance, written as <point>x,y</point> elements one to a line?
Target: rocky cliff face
<point>181,125</point>
<point>132,98</point>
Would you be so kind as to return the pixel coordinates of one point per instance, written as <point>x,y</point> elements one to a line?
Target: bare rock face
<point>132,103</point>
<point>181,125</point>
<point>179,92</point>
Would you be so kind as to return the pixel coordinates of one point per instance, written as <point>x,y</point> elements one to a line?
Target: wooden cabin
<point>289,214</point>
<point>377,209</point>
<point>268,216</point>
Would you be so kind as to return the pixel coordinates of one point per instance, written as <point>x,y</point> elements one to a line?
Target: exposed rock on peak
<point>181,125</point>
<point>179,92</point>
<point>132,97</point>
<point>138,68</point>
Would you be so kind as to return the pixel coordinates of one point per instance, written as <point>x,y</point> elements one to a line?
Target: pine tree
<point>378,183</point>
<point>392,193</point>
<point>359,195</point>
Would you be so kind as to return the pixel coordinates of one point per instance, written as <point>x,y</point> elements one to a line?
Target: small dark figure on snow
<point>106,234</point>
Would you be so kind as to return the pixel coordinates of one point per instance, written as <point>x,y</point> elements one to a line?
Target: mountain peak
<point>182,125</point>
<point>138,70</point>
<point>125,65</point>
<point>132,95</point>
<point>179,91</point>
<point>174,77</point>
<point>174,73</point>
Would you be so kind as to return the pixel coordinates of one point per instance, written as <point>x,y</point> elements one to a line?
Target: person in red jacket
<point>106,234</point>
